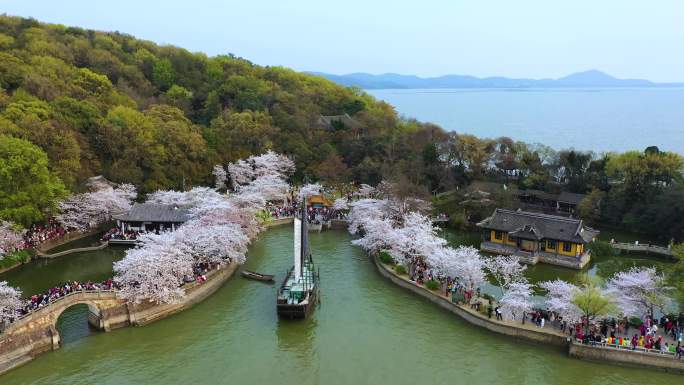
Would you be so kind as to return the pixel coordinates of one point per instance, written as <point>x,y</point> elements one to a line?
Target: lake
<point>366,331</point>
<point>601,120</point>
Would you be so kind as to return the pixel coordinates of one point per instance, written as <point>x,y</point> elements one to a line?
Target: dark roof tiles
<point>528,225</point>
<point>150,212</point>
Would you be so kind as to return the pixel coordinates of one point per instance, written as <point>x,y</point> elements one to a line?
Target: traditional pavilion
<point>146,217</point>
<point>538,237</point>
<point>319,202</point>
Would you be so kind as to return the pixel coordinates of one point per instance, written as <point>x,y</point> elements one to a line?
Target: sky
<point>522,38</point>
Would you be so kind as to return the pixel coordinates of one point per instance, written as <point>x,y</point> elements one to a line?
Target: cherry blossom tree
<point>516,300</point>
<point>154,271</point>
<point>195,197</point>
<point>559,299</point>
<point>379,234</point>
<point>309,190</point>
<point>467,265</point>
<point>220,177</point>
<point>240,172</point>
<point>10,302</point>
<point>271,163</point>
<point>219,231</point>
<point>244,171</point>
<point>270,187</point>
<point>89,210</point>
<point>417,238</point>
<point>365,191</point>
<point>365,210</point>
<point>217,243</point>
<point>10,238</point>
<point>639,291</point>
<point>340,204</point>
<point>505,270</point>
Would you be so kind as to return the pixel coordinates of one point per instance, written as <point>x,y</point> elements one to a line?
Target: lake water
<point>600,120</point>
<point>366,331</point>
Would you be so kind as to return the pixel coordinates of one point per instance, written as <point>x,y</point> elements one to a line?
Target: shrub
<point>432,284</point>
<point>487,297</point>
<point>22,256</point>
<point>385,257</point>
<point>635,321</point>
<point>264,216</point>
<point>399,269</point>
<point>458,221</point>
<point>602,248</point>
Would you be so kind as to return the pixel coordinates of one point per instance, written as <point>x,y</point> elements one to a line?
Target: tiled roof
<point>572,198</point>
<point>528,225</point>
<point>149,212</point>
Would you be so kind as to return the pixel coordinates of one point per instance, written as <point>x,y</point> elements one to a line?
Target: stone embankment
<point>533,334</point>
<point>72,251</point>
<point>51,244</point>
<point>36,332</point>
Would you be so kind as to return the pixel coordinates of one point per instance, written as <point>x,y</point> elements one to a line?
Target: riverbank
<point>32,335</point>
<point>42,250</point>
<point>36,333</point>
<point>529,333</point>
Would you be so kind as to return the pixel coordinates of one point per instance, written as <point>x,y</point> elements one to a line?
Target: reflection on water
<point>72,325</point>
<point>41,274</point>
<point>603,266</point>
<point>366,331</point>
<point>297,336</point>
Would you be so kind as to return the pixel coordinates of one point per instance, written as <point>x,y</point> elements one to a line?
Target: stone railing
<point>648,358</point>
<point>646,248</point>
<point>72,251</point>
<point>639,357</point>
<point>59,300</point>
<point>524,332</point>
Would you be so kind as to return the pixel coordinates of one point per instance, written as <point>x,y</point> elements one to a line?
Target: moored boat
<point>298,294</point>
<point>257,276</point>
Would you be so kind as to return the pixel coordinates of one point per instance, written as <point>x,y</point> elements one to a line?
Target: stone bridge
<point>36,332</point>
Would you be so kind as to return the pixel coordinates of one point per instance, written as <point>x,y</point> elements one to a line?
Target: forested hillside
<point>161,116</point>
<point>76,103</point>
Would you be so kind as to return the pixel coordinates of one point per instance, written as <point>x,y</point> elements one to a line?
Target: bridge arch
<point>94,318</point>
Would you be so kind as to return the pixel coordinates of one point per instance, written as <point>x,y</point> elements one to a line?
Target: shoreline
<point>42,251</point>
<point>26,338</point>
<point>533,334</point>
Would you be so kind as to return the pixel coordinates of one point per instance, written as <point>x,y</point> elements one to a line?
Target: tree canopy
<point>161,117</point>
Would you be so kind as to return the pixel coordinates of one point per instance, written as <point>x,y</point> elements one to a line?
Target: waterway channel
<point>366,331</point>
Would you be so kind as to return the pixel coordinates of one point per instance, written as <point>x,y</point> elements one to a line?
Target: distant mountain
<point>591,78</point>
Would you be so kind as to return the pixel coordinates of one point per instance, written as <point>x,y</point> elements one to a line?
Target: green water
<point>91,240</point>
<point>603,266</point>
<point>41,274</point>
<point>366,331</point>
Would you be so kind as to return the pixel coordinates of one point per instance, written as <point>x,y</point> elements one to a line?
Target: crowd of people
<point>52,294</point>
<point>40,233</point>
<point>657,335</point>
<point>663,335</point>
<point>315,215</point>
<point>116,233</point>
<point>282,211</point>
<point>38,301</point>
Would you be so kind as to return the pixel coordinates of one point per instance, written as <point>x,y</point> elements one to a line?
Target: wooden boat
<point>298,294</point>
<point>257,276</point>
<point>316,226</point>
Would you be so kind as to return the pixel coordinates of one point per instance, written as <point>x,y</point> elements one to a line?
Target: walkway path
<point>548,335</point>
<point>71,251</point>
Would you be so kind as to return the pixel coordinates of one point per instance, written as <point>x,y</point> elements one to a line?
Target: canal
<point>366,331</point>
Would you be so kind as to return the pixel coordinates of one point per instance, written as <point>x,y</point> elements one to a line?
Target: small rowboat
<point>256,276</point>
